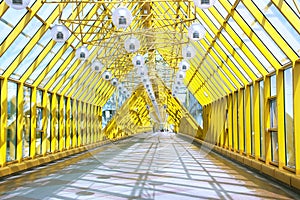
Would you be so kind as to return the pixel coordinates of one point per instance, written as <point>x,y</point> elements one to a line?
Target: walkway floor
<point>147,166</point>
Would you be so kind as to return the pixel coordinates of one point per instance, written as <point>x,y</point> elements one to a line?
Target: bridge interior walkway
<point>161,165</point>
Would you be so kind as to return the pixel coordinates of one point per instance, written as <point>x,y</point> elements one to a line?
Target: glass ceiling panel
<point>13,51</point>
<point>212,18</point>
<point>229,55</point>
<point>221,9</point>
<point>29,59</point>
<point>262,34</point>
<point>266,64</point>
<point>56,66</point>
<point>46,10</point>
<point>205,26</point>
<point>293,6</point>
<point>241,53</point>
<point>34,75</point>
<point>225,64</point>
<point>66,70</point>
<point>288,33</point>
<point>5,29</point>
<point>13,17</point>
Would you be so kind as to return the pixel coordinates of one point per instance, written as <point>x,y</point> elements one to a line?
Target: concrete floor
<point>146,166</point>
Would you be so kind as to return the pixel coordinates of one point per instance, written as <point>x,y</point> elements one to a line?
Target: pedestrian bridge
<point>149,99</point>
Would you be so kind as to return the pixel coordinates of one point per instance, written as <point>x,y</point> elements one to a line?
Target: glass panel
<point>39,133</point>
<point>108,110</point>
<point>241,54</point>
<point>28,60</point>
<point>32,27</point>
<point>49,118</point>
<point>229,56</point>
<point>247,41</point>
<point>46,10</point>
<point>39,97</point>
<point>273,85</point>
<point>5,29</point>
<point>289,118</point>
<point>273,113</point>
<point>262,34</point>
<point>13,51</point>
<point>11,151</point>
<point>261,119</point>
<point>13,17</point>
<point>26,133</point>
<point>194,108</point>
<point>274,146</point>
<point>280,23</point>
<point>291,3</point>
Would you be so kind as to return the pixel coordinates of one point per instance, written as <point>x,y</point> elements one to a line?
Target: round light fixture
<point>138,61</point>
<point>120,87</point>
<point>204,4</point>
<point>106,75</point>
<point>122,17</point>
<point>180,75</point>
<point>82,53</point>
<point>188,52</point>
<point>132,44</point>
<point>184,66</point>
<point>17,4</point>
<point>60,33</point>
<point>97,66</point>
<point>196,32</point>
<point>114,82</point>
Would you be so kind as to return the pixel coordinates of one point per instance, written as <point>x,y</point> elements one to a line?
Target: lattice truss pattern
<point>244,42</point>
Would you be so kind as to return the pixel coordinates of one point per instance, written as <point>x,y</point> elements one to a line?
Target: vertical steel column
<point>256,119</point>
<point>267,119</point>
<point>241,110</point>
<point>296,75</point>
<point>248,120</point>
<point>281,120</point>
<point>3,127</point>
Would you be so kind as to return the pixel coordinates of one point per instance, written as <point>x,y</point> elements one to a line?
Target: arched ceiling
<point>244,41</point>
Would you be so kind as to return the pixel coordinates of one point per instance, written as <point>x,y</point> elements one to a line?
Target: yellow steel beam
<point>34,40</point>
<point>288,13</point>
<point>277,38</point>
<point>253,37</point>
<point>18,29</point>
<point>296,92</point>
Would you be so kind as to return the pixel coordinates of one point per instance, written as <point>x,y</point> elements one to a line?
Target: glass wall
<point>273,119</point>
<point>261,119</point>
<point>39,122</point>
<point>12,113</point>
<point>26,130</point>
<point>49,118</point>
<point>289,118</point>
